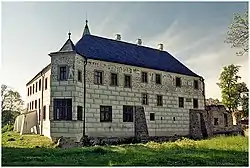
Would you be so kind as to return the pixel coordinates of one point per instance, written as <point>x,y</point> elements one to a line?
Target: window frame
<point>79,75</point>
<point>158,83</point>
<point>128,113</point>
<point>40,84</point>
<point>66,106</point>
<point>144,77</point>
<point>196,84</point>
<point>177,84</point>
<point>151,116</point>
<point>36,86</point>
<point>79,113</point>
<point>44,112</point>
<point>46,83</point>
<point>130,81</point>
<point>144,96</point>
<point>96,81</point>
<point>181,102</point>
<point>107,110</point>
<point>161,100</point>
<point>62,73</point>
<point>194,100</point>
<point>112,81</point>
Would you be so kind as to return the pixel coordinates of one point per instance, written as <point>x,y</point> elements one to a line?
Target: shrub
<point>7,128</point>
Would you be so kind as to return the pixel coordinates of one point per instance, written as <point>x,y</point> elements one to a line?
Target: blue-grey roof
<point>110,50</point>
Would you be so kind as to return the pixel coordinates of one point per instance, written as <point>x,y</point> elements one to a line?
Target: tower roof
<point>68,45</point>
<point>86,29</point>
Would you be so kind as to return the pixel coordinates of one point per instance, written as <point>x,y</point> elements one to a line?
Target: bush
<point>7,128</point>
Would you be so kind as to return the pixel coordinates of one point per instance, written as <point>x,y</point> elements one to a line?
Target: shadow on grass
<point>125,155</point>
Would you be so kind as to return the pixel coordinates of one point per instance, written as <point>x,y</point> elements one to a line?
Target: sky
<point>193,32</point>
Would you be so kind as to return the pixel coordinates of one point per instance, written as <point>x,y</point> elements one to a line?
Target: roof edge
<point>44,70</point>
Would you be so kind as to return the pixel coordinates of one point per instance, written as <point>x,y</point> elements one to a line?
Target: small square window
<point>127,81</point>
<point>181,102</point>
<point>79,75</point>
<point>195,103</point>
<point>196,84</point>
<point>105,113</point>
<point>144,77</point>
<point>144,99</point>
<point>159,100</point>
<point>114,79</point>
<point>178,82</point>
<point>157,78</point>
<point>98,77</point>
<point>152,116</point>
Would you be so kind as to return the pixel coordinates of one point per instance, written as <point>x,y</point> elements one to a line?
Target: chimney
<point>139,42</point>
<point>118,37</point>
<point>160,47</point>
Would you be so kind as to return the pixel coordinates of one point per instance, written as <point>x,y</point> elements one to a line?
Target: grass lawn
<point>226,151</point>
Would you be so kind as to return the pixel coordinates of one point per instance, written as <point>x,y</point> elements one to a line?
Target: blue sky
<point>193,32</point>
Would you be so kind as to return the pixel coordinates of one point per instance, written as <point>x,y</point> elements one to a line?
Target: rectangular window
<point>157,78</point>
<point>195,103</point>
<point>39,106</point>
<point>216,121</point>
<point>114,79</point>
<point>181,102</point>
<point>152,116</point>
<point>79,74</point>
<point>62,75</point>
<point>33,89</point>
<point>159,100</point>
<point>144,99</point>
<point>46,83</point>
<point>196,86</point>
<point>36,87</point>
<point>30,90</point>
<point>79,112</point>
<point>35,104</point>
<point>63,109</point>
<point>178,82</point>
<point>44,112</point>
<point>105,113</point>
<point>40,84</point>
<point>98,77</point>
<point>127,113</point>
<point>32,105</point>
<point>144,77</point>
<point>127,81</point>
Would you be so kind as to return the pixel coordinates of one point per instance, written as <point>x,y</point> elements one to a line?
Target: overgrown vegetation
<point>38,150</point>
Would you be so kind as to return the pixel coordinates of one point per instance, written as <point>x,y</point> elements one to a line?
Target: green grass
<point>219,151</point>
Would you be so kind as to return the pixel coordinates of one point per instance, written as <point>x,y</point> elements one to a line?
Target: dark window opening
<point>39,106</point>
<point>157,78</point>
<point>144,77</point>
<point>33,89</point>
<point>79,112</point>
<point>114,80</point>
<point>181,102</point>
<point>225,120</point>
<point>127,113</point>
<point>173,118</point>
<point>63,109</point>
<point>28,91</point>
<point>144,99</point>
<point>36,87</point>
<point>79,76</point>
<point>152,116</point>
<point>178,82</point>
<point>127,81</point>
<point>195,103</point>
<point>105,113</point>
<point>35,104</point>
<point>46,83</point>
<point>32,105</point>
<point>216,121</point>
<point>98,77</point>
<point>62,75</point>
<point>196,86</point>
<point>159,100</point>
<point>44,112</point>
<point>40,84</point>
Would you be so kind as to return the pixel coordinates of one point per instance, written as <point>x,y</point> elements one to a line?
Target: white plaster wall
<point>46,100</point>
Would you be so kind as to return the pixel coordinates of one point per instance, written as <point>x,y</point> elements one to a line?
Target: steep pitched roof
<point>68,46</point>
<point>104,49</point>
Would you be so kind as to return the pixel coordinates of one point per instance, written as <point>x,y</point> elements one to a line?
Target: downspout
<point>84,97</point>
<point>41,118</point>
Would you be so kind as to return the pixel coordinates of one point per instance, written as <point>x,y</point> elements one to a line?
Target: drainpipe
<point>41,115</point>
<point>84,97</point>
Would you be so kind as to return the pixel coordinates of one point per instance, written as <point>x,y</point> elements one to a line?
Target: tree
<point>11,105</point>
<point>237,35</point>
<point>231,89</point>
<point>245,108</point>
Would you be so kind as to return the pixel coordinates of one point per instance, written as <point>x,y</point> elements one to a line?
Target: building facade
<point>118,76</point>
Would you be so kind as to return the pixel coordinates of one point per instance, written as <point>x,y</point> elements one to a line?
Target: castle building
<point>103,80</point>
